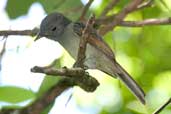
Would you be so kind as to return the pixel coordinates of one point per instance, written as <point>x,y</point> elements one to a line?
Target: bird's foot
<point>77,65</point>
<point>78,28</point>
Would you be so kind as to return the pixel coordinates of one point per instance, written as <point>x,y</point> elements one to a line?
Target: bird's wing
<point>101,45</point>
<point>95,40</point>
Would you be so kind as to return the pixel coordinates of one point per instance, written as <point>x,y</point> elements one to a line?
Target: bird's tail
<point>130,83</point>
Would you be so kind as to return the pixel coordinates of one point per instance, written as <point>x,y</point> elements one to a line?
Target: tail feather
<point>130,83</point>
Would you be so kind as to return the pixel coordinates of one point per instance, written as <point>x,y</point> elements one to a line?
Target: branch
<point>3,51</point>
<point>48,97</point>
<point>113,3</point>
<point>121,15</point>
<point>145,4</point>
<point>42,102</point>
<point>106,20</point>
<point>78,76</point>
<point>72,77</point>
<point>162,107</point>
<point>56,72</point>
<point>163,21</point>
<point>85,9</point>
<point>19,32</point>
<point>109,7</point>
<point>83,42</point>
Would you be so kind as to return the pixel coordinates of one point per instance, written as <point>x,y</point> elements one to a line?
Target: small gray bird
<point>99,56</point>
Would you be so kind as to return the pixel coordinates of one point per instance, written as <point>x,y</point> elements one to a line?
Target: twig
<point>83,42</point>
<point>165,5</point>
<point>19,32</point>
<point>106,20</point>
<point>145,4</point>
<point>3,48</point>
<point>109,7</point>
<point>162,21</point>
<point>85,9</point>
<point>42,102</point>
<point>49,97</point>
<point>162,107</point>
<point>3,51</point>
<point>59,72</point>
<point>78,76</point>
<point>73,76</point>
<point>121,15</point>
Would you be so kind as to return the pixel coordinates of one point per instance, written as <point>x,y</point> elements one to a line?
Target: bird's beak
<point>38,37</point>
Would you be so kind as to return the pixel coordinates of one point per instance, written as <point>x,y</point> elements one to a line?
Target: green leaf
<point>67,7</point>
<point>13,94</point>
<point>16,8</point>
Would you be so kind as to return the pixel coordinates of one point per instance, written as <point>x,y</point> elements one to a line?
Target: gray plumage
<point>58,28</point>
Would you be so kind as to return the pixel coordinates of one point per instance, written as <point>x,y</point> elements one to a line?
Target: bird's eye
<point>54,28</point>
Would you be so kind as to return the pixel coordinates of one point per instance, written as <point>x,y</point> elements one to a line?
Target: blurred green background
<point>145,52</point>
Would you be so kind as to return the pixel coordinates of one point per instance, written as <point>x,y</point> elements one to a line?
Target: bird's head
<point>52,26</point>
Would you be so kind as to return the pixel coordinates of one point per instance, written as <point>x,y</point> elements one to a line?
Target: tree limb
<point>3,51</point>
<point>162,21</point>
<point>109,7</point>
<point>83,42</point>
<point>162,107</point>
<point>146,22</point>
<point>78,76</point>
<point>106,20</point>
<point>85,9</point>
<point>19,32</point>
<point>71,77</point>
<point>145,4</point>
<point>41,103</point>
<point>132,6</point>
<point>62,72</point>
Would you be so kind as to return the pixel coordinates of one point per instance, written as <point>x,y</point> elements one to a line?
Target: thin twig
<point>19,32</point>
<point>83,43</point>
<point>42,102</point>
<point>3,48</point>
<point>162,21</point>
<point>109,19</point>
<point>48,97</point>
<point>162,107</point>
<point>78,76</point>
<point>106,20</point>
<point>85,9</point>
<point>146,22</point>
<point>121,15</point>
<point>59,72</point>
<point>145,4</point>
<point>73,76</point>
<point>109,7</point>
<point>3,51</point>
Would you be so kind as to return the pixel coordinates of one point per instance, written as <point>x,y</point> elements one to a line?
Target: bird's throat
<point>70,41</point>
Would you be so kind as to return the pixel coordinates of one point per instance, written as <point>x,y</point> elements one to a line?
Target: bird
<point>57,27</point>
